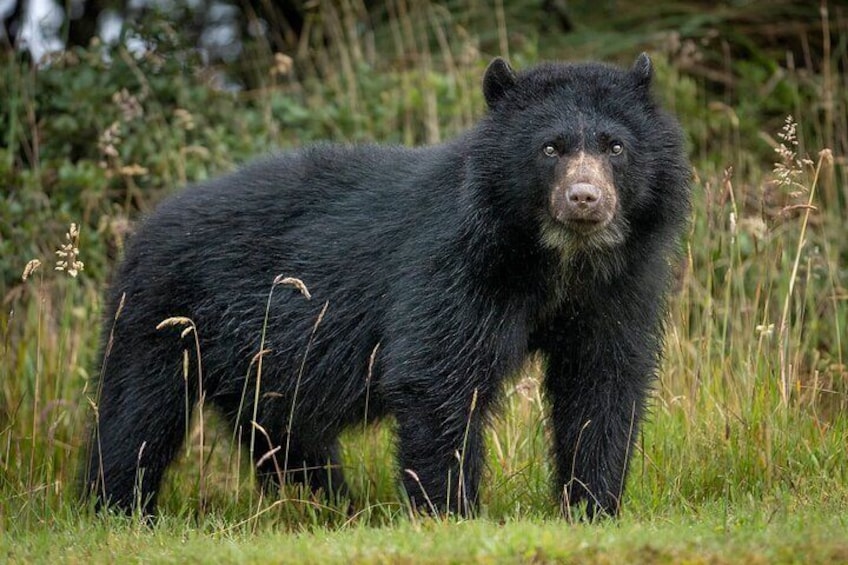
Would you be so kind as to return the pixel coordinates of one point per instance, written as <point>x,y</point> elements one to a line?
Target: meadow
<point>744,457</point>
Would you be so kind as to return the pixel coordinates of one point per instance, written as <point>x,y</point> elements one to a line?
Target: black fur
<point>445,256</point>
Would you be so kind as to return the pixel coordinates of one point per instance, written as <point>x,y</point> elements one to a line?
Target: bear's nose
<point>583,195</point>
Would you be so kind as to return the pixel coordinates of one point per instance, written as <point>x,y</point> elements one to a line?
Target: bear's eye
<point>550,150</point>
<point>616,148</point>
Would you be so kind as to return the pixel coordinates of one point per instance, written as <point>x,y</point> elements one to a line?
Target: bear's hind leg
<point>139,426</point>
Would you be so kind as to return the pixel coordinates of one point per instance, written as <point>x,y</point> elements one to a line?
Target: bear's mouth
<point>581,234</point>
<point>584,226</point>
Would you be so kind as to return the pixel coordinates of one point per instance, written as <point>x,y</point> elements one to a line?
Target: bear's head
<point>584,153</point>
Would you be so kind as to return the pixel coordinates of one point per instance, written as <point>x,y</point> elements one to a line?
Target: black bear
<point>549,227</point>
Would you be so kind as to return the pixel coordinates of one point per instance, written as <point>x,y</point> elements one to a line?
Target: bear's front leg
<point>444,356</point>
<point>601,363</point>
<point>441,453</point>
<point>441,399</point>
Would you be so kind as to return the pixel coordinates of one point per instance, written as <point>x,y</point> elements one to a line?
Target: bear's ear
<point>643,70</point>
<point>497,81</point>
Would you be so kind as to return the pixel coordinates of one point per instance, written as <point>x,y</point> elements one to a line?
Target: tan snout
<point>584,197</point>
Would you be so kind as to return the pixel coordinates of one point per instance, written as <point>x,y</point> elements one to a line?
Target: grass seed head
<point>174,321</point>
<point>31,267</point>
<point>68,253</point>
<point>294,283</point>
<point>789,165</point>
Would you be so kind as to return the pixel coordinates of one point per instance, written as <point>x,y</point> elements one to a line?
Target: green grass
<point>755,535</point>
<point>743,458</point>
